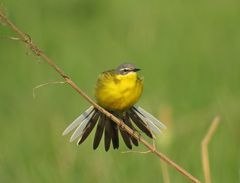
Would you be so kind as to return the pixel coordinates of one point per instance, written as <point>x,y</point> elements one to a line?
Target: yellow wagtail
<point>117,91</point>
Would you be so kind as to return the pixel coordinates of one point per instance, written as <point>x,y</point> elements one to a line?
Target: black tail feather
<point>99,131</point>
<point>126,138</point>
<point>139,122</point>
<point>129,123</point>
<point>88,129</point>
<point>115,138</point>
<point>108,133</point>
<point>124,134</point>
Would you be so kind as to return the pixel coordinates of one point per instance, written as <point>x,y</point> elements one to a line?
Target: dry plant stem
<point>25,38</point>
<point>9,37</point>
<point>142,152</point>
<point>45,84</point>
<point>205,142</point>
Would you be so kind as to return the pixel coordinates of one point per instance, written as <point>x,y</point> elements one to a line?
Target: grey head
<point>126,68</point>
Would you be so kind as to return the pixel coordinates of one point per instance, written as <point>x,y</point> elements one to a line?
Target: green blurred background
<point>189,52</point>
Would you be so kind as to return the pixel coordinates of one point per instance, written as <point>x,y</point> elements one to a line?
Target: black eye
<point>124,70</point>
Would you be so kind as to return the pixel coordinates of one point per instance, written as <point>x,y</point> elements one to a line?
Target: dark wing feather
<point>139,122</point>
<point>88,129</point>
<point>99,131</point>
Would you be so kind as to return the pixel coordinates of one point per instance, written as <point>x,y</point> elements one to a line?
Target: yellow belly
<point>118,93</point>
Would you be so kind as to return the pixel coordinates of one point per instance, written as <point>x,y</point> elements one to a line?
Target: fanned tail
<point>135,115</point>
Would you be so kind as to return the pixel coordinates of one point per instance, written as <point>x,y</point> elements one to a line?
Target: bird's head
<point>126,69</point>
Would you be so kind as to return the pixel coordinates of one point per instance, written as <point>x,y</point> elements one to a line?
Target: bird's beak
<point>136,70</point>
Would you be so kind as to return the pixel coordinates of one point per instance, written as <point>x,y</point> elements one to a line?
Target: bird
<point>117,90</point>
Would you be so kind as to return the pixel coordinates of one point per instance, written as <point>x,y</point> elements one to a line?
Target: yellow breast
<point>118,92</point>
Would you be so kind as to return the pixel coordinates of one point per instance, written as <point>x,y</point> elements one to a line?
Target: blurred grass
<point>189,55</point>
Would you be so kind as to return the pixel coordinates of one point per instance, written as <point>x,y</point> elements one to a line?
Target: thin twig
<point>137,152</point>
<point>10,37</point>
<point>141,152</point>
<point>26,38</point>
<point>45,84</point>
<point>205,142</point>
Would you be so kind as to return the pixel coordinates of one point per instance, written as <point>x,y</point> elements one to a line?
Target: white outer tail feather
<point>151,121</point>
<point>77,121</point>
<point>78,132</point>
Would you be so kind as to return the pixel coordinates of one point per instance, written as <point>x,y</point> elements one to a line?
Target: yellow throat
<point>118,92</point>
